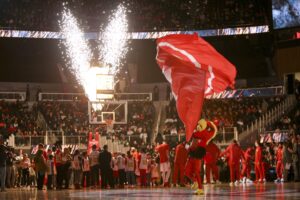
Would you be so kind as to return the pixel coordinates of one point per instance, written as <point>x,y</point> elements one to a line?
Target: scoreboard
<point>104,86</point>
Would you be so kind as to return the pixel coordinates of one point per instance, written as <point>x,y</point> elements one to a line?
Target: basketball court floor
<point>223,191</point>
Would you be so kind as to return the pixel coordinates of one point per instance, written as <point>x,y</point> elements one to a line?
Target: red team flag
<point>194,69</point>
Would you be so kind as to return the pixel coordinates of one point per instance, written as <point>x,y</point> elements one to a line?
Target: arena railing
<point>79,96</point>
<point>273,115</point>
<point>50,137</point>
<point>132,138</point>
<point>133,96</point>
<point>249,92</point>
<point>13,96</point>
<point>268,118</point>
<point>61,96</point>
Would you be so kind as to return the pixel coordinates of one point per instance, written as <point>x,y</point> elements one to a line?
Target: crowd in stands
<point>287,126</point>
<point>69,117</point>
<point>281,147</point>
<point>143,15</point>
<point>71,168</point>
<point>236,112</point>
<point>18,118</point>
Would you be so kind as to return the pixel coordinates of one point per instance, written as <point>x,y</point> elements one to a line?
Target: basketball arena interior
<point>107,99</point>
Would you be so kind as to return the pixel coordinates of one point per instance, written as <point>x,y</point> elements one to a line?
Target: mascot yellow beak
<point>202,124</point>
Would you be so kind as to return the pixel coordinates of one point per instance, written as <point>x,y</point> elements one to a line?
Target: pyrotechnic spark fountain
<point>79,53</point>
<point>113,45</point>
<point>112,49</point>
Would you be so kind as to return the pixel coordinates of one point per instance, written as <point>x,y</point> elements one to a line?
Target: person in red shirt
<point>265,163</point>
<point>42,148</point>
<point>165,167</point>
<point>234,154</point>
<point>180,159</point>
<point>59,167</point>
<point>258,163</point>
<point>279,163</point>
<point>206,131</point>
<point>246,165</point>
<point>210,160</point>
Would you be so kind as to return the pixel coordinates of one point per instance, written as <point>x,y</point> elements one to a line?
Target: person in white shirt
<point>51,172</point>
<point>121,169</point>
<point>277,136</point>
<point>130,169</point>
<point>173,130</point>
<point>25,164</point>
<point>32,177</point>
<point>154,173</point>
<point>148,171</point>
<point>130,132</point>
<point>77,168</point>
<point>86,170</point>
<point>94,164</point>
<point>114,164</point>
<point>144,135</point>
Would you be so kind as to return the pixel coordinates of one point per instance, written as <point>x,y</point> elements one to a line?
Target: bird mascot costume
<point>195,70</point>
<point>206,131</point>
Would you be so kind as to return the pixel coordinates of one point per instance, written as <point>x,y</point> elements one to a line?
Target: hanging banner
<point>139,35</point>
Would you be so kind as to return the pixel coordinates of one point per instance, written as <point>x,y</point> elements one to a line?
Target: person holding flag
<point>195,70</point>
<point>206,131</point>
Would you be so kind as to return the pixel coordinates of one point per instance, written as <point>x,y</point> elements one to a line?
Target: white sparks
<point>112,50</point>
<point>79,53</point>
<point>113,39</point>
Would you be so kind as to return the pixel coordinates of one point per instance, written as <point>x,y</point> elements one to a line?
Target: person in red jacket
<point>206,131</point>
<point>258,163</point>
<point>59,167</point>
<point>165,167</point>
<point>234,154</point>
<point>210,160</point>
<point>279,163</point>
<point>246,166</point>
<point>180,159</point>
